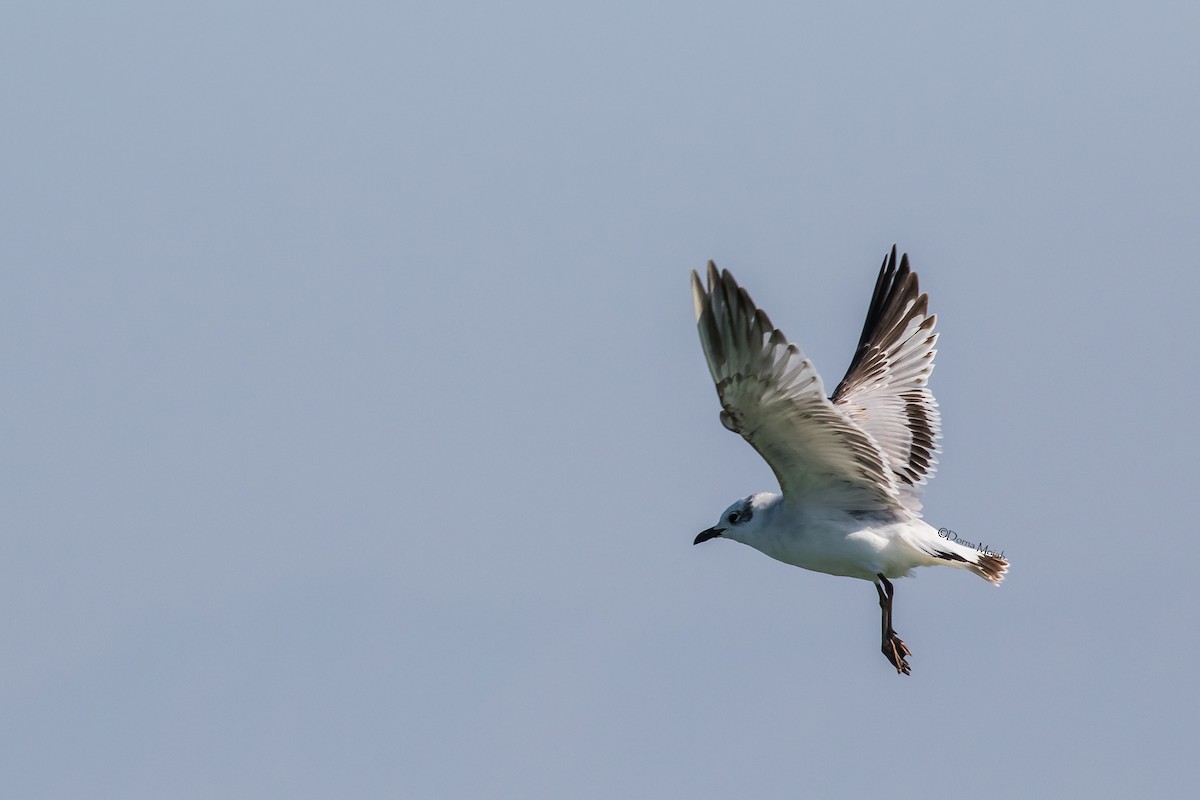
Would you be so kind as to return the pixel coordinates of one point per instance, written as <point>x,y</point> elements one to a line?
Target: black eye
<point>734,517</point>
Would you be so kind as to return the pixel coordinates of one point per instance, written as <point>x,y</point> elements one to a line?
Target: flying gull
<point>851,467</point>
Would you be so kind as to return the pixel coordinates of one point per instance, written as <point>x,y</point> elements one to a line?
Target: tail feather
<point>948,549</point>
<point>990,567</point>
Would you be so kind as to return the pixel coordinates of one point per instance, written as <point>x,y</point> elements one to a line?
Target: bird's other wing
<point>773,397</point>
<point>886,388</point>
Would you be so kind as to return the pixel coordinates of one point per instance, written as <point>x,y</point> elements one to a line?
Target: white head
<point>742,520</point>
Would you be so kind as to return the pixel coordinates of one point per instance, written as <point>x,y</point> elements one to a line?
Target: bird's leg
<point>894,650</point>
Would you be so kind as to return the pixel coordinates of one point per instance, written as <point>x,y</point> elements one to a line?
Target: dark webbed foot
<point>895,651</point>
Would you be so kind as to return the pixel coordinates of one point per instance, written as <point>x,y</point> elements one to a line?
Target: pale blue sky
<point>356,428</point>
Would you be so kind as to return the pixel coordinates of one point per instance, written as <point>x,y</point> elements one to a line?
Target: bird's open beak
<point>711,533</point>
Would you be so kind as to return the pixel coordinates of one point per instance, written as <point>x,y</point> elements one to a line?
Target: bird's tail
<point>951,550</point>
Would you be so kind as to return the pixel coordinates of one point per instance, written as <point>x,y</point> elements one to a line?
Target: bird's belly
<point>859,554</point>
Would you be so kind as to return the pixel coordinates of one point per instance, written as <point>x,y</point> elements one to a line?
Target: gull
<point>851,466</point>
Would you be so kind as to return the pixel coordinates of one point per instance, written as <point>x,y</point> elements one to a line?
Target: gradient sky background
<point>356,428</point>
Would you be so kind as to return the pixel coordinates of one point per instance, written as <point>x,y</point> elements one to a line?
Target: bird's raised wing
<point>773,397</point>
<point>886,387</point>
